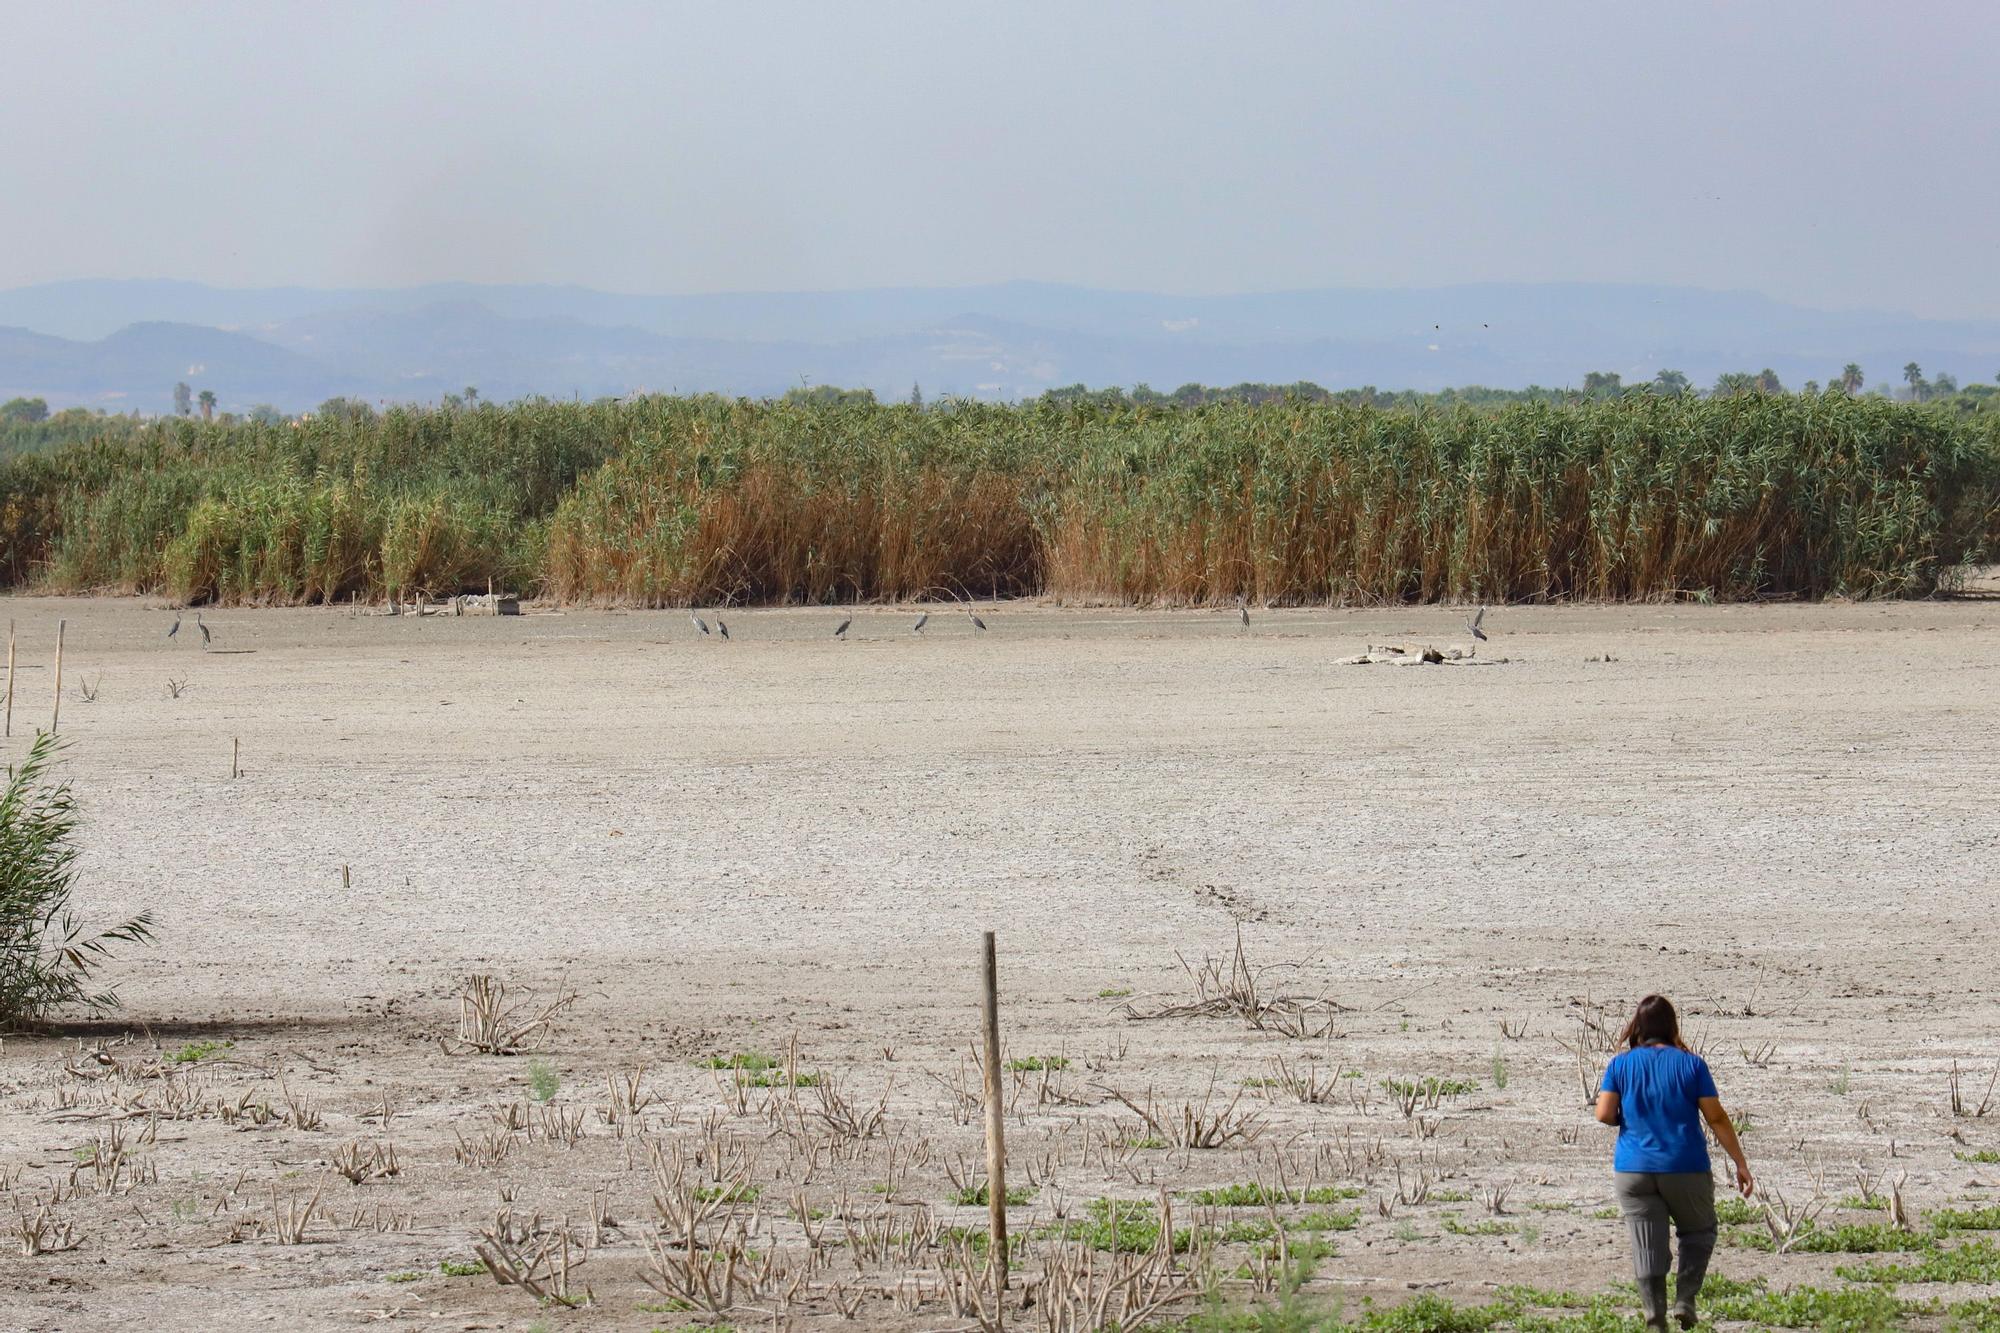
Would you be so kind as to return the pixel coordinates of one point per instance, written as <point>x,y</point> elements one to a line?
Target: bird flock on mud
<point>847,622</point>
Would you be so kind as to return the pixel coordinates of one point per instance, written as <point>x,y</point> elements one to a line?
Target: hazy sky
<point>1831,154</point>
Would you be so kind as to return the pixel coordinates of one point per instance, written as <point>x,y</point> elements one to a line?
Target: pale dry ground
<point>1782,816</point>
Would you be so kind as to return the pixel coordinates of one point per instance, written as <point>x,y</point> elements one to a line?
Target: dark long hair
<point>1653,1021</point>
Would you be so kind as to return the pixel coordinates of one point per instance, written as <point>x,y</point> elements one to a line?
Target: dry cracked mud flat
<point>762,868</point>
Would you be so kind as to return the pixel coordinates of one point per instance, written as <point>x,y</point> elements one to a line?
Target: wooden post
<point>235,757</point>
<point>55,716</point>
<point>345,882</point>
<point>10,678</point>
<point>996,1145</point>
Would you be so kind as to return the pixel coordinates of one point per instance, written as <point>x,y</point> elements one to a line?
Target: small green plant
<point>1489,1227</point>
<point>197,1051</point>
<point>460,1268</point>
<point>404,1277</point>
<point>1114,992</point>
<point>1406,1231</point>
<point>743,1192</point>
<point>1842,1081</point>
<point>979,1194</point>
<point>753,1062</point>
<point>1845,1311</point>
<point>47,959</point>
<point>1430,1087</point>
<point>1449,1195</point>
<point>1986,1156</point>
<point>543,1081</point>
<point>1036,1063</point>
<point>1966,1219</point>
<point>1975,1261</point>
<point>1499,1071</point>
<point>1127,1226</point>
<point>1328,1220</point>
<point>1731,1212</point>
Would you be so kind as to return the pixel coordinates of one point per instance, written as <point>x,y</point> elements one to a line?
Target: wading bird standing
<point>203,628</point>
<point>721,628</point>
<point>922,620</point>
<point>977,623</point>
<point>1473,624</point>
<point>840,630</point>
<point>1242,611</point>
<point>175,628</point>
<point>699,623</point>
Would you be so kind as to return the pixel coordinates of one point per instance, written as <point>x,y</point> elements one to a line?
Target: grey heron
<point>203,628</point>
<point>699,623</point>
<point>840,630</point>
<point>1242,611</point>
<point>922,620</point>
<point>176,627</point>
<point>1473,624</point>
<point>721,628</point>
<point>977,623</point>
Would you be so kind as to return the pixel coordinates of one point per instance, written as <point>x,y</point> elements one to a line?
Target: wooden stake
<point>235,758</point>
<point>10,678</point>
<point>55,716</point>
<point>996,1144</point>
<point>345,882</point>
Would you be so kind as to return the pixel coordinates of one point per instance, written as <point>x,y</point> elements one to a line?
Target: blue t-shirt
<point>1659,1090</point>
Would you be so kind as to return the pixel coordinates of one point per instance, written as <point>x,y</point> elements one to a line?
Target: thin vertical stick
<point>55,716</point>
<point>235,757</point>
<point>996,1144</point>
<point>10,678</point>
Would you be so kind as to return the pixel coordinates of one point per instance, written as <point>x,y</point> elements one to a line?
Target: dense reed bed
<point>675,500</point>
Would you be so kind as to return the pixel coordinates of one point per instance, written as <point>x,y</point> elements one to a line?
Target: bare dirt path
<point>1780,815</point>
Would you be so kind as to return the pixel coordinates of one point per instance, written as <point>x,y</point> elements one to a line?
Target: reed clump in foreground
<point>666,501</point>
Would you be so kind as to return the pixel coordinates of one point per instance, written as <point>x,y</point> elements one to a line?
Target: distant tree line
<point>27,424</point>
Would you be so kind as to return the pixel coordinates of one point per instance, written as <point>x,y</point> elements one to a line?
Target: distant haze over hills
<point>122,345</point>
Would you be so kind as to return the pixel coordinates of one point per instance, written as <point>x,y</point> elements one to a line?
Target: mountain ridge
<point>122,344</point>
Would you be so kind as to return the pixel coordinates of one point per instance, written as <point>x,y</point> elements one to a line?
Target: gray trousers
<point>1648,1200</point>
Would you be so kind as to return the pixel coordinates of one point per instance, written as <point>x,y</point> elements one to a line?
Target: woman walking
<point>1658,1093</point>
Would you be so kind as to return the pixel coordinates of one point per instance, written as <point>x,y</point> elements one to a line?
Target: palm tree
<point>1850,377</point>
<point>1913,375</point>
<point>207,400</point>
<point>1672,382</point>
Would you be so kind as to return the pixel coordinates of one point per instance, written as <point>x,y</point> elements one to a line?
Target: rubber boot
<point>1653,1301</point>
<point>1687,1282</point>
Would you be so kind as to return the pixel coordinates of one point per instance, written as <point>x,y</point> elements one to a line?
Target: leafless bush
<point>488,1026</point>
<point>175,686</point>
<point>484,1150</point>
<point>1789,1222</point>
<point>1232,988</point>
<point>1305,1083</point>
<point>1962,1109</point>
<point>44,1233</point>
<point>1759,1056</point>
<point>543,1271</point>
<point>358,1164</point>
<point>289,1219</point>
<point>714,1276</point>
<point>1197,1125</point>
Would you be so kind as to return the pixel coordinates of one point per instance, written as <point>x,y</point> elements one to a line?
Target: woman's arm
<point>1725,1134</point>
<point>1607,1108</point>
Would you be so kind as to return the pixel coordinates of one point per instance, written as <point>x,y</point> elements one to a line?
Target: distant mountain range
<point>122,345</point>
